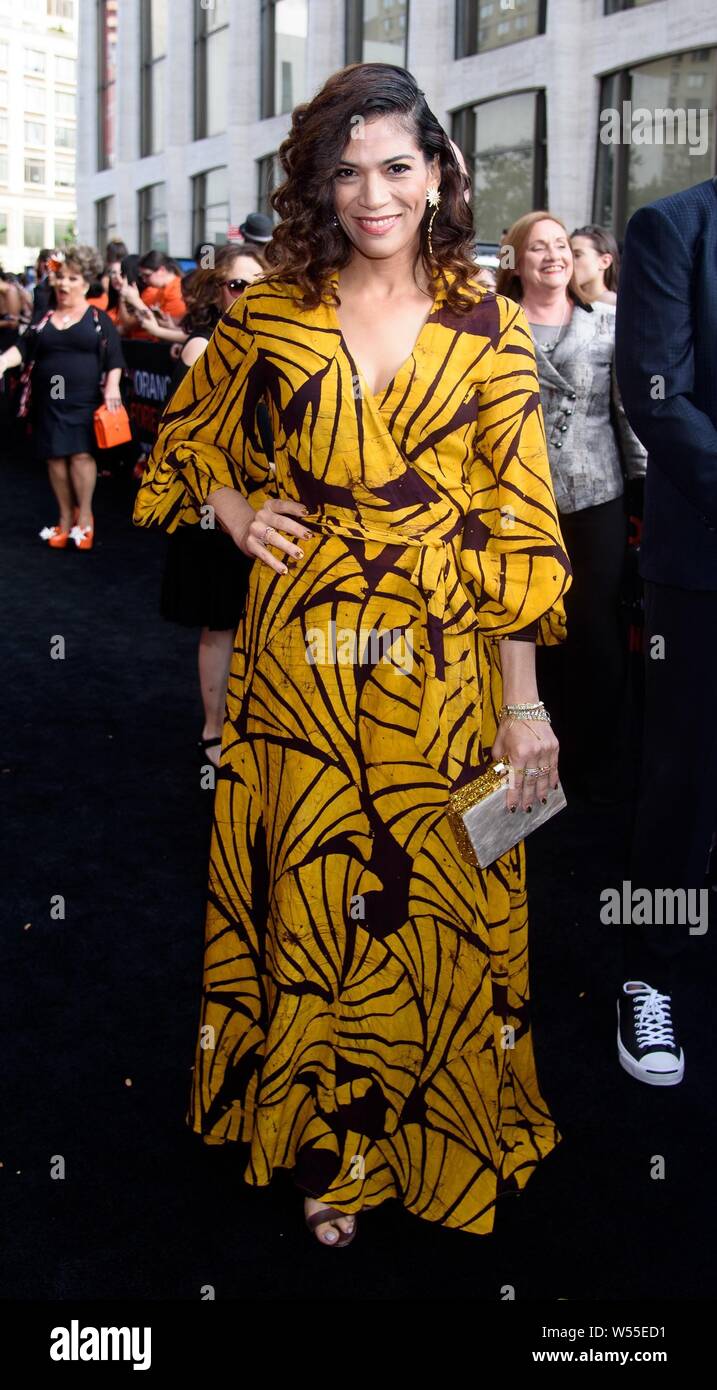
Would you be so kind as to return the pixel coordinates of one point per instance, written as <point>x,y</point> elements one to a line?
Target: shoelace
<point>653,1021</point>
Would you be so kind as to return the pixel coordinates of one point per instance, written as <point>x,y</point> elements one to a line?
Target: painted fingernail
<point>528,808</point>
<point>514,808</point>
<point>544,800</point>
<point>306,535</point>
<point>284,570</point>
<point>300,553</point>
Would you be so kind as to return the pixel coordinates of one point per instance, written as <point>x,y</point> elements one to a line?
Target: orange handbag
<point>112,427</point>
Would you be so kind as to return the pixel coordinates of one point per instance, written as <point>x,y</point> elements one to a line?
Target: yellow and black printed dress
<point>362,983</point>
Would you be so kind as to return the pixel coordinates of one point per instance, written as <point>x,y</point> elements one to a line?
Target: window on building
<point>34,61</point>
<point>65,104</point>
<point>3,55</point>
<point>284,30</point>
<point>64,175</point>
<point>3,129</point>
<point>482,25</point>
<point>211,69</point>
<point>65,137</point>
<point>106,82</point>
<point>35,97</point>
<point>153,218</point>
<point>35,172</point>
<point>670,142</point>
<point>3,91</point>
<point>64,230</point>
<point>504,146</point>
<point>35,132</point>
<point>3,226</point>
<point>210,206</point>
<point>376,31</point>
<point>153,54</point>
<point>269,175</point>
<point>33,232</point>
<point>61,9</point>
<point>105,221</point>
<point>65,70</point>
<point>3,168</point>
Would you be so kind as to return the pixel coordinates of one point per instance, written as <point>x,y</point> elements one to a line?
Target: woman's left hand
<point>113,399</point>
<point>531,749</point>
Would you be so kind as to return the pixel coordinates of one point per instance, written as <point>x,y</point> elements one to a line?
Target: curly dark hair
<point>307,245</point>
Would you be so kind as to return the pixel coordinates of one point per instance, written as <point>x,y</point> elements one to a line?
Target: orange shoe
<point>56,538</point>
<point>83,536</point>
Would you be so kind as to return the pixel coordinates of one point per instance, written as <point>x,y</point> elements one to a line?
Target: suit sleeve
<point>208,436</point>
<point>513,558</point>
<point>654,354</point>
<point>632,452</point>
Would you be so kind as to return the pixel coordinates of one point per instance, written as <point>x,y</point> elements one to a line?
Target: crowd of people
<point>323,410</point>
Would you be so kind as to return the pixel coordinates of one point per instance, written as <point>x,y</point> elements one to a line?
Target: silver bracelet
<point>535,711</point>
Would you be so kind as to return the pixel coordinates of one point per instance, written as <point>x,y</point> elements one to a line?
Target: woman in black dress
<point>76,362</point>
<point>206,576</point>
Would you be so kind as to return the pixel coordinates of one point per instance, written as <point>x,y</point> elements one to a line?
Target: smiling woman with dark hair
<point>361,978</point>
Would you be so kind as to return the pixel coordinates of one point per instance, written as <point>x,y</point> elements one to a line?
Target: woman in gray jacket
<point>592,449</point>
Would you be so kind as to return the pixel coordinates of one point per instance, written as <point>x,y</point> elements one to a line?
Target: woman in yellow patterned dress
<point>361,980</point>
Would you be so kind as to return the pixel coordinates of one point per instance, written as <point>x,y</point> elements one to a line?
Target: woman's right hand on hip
<point>257,533</point>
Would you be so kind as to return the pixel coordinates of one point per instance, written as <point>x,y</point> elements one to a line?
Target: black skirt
<point>206,578</point>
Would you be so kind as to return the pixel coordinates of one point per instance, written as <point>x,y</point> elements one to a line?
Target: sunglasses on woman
<point>237,286</point>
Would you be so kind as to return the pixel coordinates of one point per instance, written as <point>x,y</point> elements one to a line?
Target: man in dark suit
<point>666,358</point>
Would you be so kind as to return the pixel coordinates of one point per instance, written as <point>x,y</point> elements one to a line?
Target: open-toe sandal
<point>324,1217</point>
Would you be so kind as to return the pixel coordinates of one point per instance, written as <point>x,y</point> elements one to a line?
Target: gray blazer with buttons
<point>590,443</point>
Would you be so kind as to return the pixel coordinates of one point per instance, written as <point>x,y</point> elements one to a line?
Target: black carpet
<point>100,780</point>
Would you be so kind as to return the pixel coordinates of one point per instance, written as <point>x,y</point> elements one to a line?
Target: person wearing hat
<point>257,229</point>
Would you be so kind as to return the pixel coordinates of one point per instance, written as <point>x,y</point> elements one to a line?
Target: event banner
<point>149,369</point>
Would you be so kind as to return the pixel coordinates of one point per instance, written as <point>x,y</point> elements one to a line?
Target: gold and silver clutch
<point>484,827</point>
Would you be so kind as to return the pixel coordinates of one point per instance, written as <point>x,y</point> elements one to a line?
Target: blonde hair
<point>508,281</point>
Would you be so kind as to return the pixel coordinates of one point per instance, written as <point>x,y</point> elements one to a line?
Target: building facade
<point>38,136</point>
<point>589,107</point>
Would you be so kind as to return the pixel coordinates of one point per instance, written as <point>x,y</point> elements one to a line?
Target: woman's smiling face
<point>547,260</point>
<point>380,188</point>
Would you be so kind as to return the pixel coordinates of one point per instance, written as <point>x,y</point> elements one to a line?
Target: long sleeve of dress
<point>513,558</point>
<point>208,436</point>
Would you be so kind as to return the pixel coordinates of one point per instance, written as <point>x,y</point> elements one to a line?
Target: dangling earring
<point>334,221</point>
<point>433,198</point>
